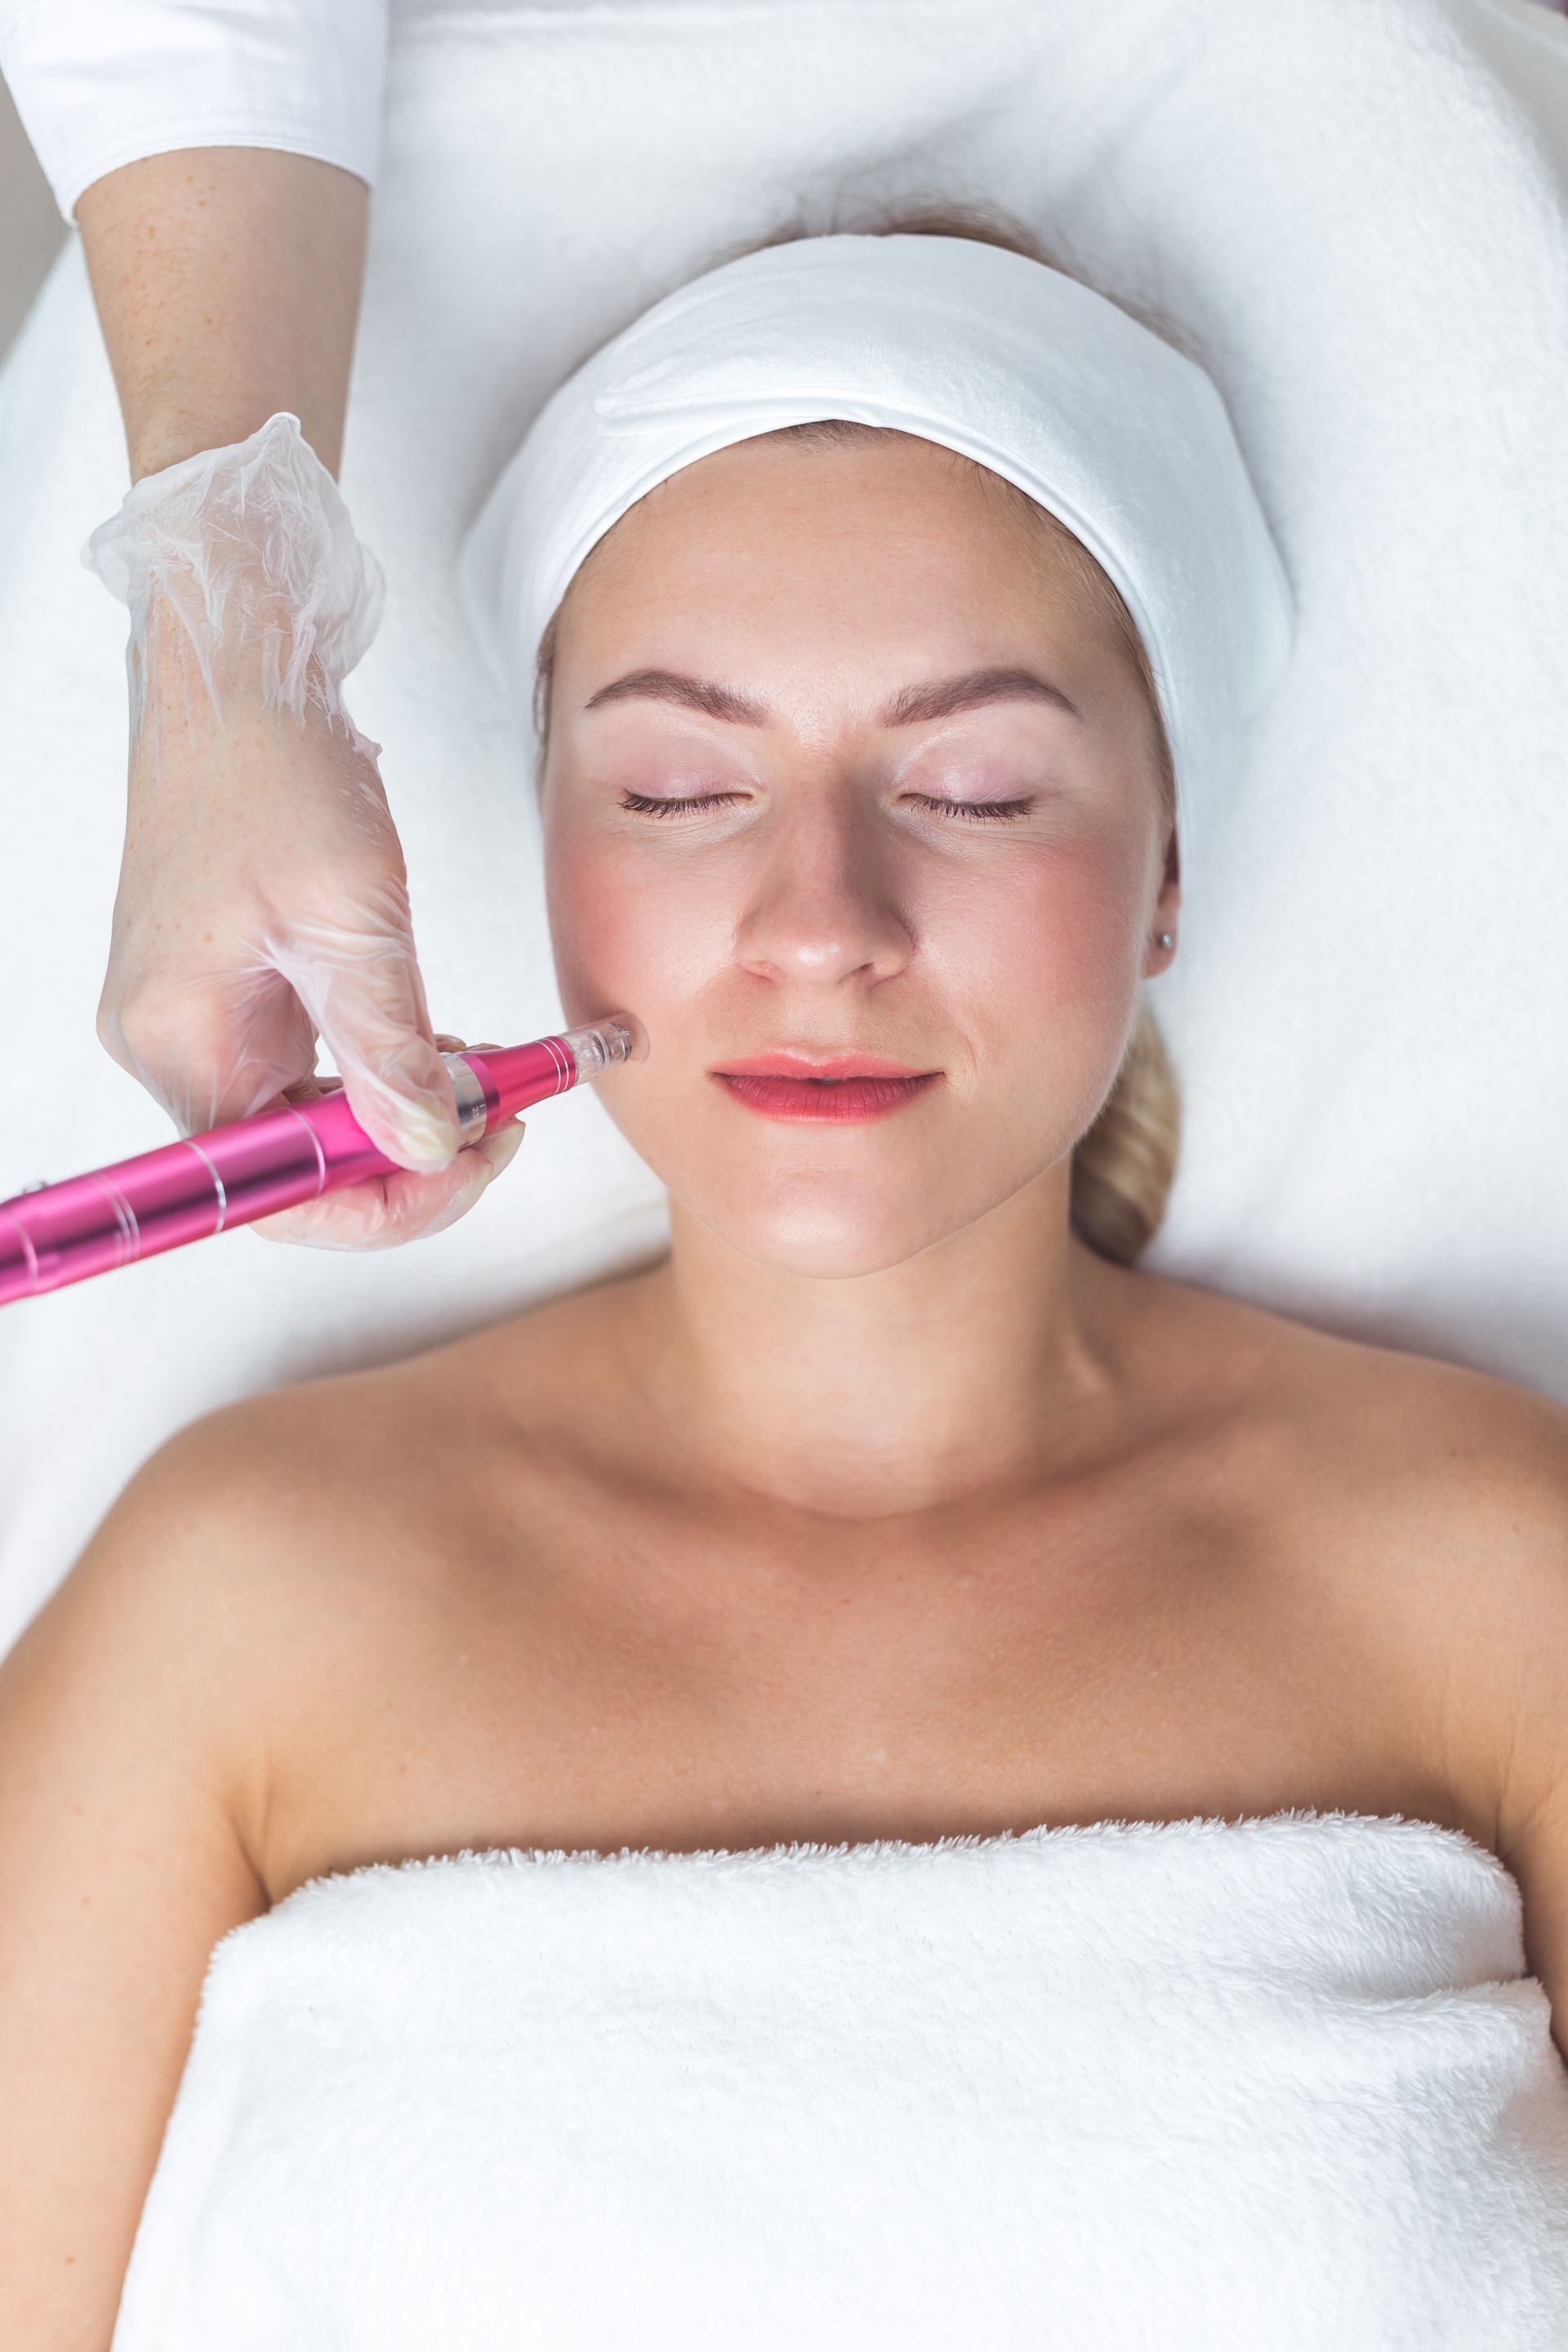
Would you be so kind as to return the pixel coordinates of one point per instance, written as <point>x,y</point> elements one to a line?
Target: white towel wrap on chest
<point>966,344</point>
<point>1279,2086</point>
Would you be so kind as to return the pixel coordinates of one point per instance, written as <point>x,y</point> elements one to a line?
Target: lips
<point>840,1089</point>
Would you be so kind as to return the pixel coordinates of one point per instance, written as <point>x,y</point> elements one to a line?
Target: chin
<point>821,1232</point>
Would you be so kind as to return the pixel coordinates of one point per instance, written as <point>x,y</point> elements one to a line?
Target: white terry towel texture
<point>1276,2086</point>
<point>1355,205</point>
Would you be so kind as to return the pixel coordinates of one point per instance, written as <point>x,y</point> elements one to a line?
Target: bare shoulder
<point>1454,1460</point>
<point>1458,1477</point>
<point>132,1756</point>
<point>1463,1478</point>
<point>246,1539</point>
<point>242,1499</point>
<point>1376,1421</point>
<point>278,1530</point>
<point>1427,1503</point>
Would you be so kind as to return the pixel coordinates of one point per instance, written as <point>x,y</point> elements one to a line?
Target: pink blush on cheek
<point>650,930</point>
<point>1033,936</point>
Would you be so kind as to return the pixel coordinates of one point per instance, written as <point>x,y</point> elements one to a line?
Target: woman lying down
<point>895,1781</point>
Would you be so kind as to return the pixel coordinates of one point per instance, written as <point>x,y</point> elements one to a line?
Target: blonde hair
<point>1124,1164</point>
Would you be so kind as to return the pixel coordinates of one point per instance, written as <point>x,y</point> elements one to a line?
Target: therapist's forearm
<point>227,281</point>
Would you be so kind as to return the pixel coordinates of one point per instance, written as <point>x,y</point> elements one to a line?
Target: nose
<point>823,907</point>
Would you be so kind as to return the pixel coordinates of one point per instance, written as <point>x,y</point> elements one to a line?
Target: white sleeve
<point>98,83</point>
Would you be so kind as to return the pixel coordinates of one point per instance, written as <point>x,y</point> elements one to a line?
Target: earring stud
<point>1166,939</point>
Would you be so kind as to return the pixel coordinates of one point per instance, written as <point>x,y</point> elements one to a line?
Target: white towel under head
<point>1274,2085</point>
<point>982,349</point>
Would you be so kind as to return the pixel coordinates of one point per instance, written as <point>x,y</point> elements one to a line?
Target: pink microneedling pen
<point>296,1152</point>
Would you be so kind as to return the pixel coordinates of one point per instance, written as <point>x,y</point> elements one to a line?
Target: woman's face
<point>848,773</point>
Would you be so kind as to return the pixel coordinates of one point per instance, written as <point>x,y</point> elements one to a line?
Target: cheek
<point>1039,951</point>
<point>629,930</point>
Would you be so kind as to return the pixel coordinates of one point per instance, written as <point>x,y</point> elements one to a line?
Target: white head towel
<point>982,350</point>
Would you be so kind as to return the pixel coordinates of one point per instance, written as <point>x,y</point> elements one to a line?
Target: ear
<point>1157,958</point>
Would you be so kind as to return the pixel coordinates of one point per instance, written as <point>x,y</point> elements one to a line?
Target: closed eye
<point>977,811</point>
<point>651,804</point>
<point>970,811</point>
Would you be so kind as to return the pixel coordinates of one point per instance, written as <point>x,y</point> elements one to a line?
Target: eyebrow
<point>915,705</point>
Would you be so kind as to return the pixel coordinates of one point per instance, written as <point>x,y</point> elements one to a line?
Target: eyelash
<point>987,811</point>
<point>966,812</point>
<point>643,805</point>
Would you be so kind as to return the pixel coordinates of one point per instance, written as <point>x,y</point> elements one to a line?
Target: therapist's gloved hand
<point>393,1209</point>
<point>263,902</point>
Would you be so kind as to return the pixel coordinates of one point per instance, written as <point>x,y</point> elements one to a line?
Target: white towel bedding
<point>1276,2086</point>
<point>1364,223</point>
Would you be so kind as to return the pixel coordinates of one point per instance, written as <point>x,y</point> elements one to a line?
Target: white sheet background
<point>1358,205</point>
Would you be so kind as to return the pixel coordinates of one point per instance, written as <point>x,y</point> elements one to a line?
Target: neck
<point>984,1360</point>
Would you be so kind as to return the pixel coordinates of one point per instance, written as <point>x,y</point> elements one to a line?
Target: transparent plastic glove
<point>392,1208</point>
<point>263,902</point>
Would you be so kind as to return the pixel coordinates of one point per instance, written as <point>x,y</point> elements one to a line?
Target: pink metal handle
<point>230,1176</point>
